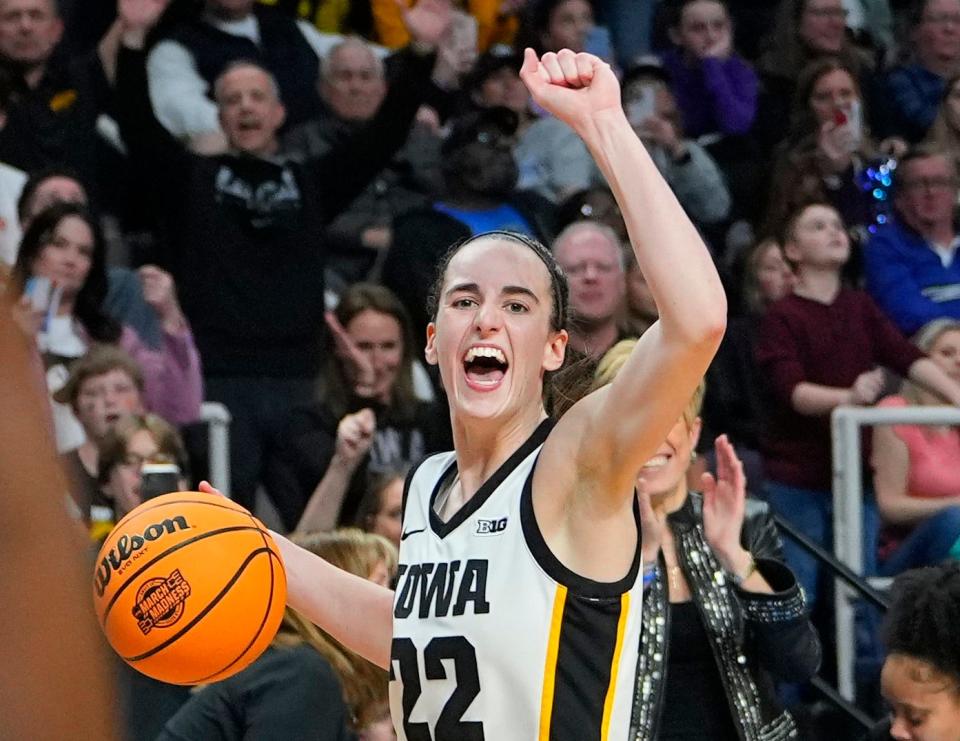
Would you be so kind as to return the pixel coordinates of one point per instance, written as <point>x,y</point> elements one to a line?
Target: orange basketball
<point>189,588</point>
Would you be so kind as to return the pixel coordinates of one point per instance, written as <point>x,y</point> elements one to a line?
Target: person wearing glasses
<point>914,90</point>
<point>911,263</point>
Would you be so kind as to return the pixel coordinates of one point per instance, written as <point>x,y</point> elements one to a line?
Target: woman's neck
<point>668,502</point>
<point>819,284</point>
<point>482,447</point>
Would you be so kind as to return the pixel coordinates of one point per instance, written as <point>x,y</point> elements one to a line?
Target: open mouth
<point>658,461</point>
<point>485,367</point>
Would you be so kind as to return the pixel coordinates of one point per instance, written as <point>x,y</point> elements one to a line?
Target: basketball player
<point>516,614</point>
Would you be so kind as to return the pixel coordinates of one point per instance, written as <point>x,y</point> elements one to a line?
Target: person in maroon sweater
<point>822,347</point>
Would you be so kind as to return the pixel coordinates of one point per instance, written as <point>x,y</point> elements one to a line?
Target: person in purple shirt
<point>715,88</point>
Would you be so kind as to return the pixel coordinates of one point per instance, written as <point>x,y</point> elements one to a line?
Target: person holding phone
<point>141,457</point>
<point>827,149</point>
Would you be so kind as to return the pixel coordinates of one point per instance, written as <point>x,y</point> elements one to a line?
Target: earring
<point>693,456</point>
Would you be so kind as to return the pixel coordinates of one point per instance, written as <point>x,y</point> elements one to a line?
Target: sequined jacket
<point>754,637</point>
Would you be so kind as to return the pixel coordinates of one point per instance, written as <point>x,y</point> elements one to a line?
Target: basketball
<point>189,588</point>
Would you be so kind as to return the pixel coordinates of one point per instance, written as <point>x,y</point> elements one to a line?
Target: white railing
<point>848,509</point>
<point>217,418</point>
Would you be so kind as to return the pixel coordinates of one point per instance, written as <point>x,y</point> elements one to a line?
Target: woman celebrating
<point>915,471</point>
<point>518,603</point>
<point>723,614</point>
<point>63,246</point>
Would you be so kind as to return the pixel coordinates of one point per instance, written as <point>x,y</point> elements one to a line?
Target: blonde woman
<point>306,686</point>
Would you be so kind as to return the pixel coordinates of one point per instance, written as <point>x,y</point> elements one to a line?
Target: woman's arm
<point>623,423</point>
<point>891,466</point>
<point>924,372</point>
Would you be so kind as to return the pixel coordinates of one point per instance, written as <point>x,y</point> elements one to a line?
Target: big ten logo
<point>491,527</point>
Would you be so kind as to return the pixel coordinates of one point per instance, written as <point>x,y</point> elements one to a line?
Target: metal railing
<point>848,510</point>
<point>217,418</point>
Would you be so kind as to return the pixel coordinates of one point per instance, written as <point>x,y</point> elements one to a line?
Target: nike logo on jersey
<point>408,533</point>
<point>491,527</point>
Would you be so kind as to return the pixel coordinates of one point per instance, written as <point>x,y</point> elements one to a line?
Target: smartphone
<point>642,106</point>
<point>157,479</point>
<point>40,291</point>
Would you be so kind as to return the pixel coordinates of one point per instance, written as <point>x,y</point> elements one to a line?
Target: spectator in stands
<point>183,67</point>
<point>593,259</point>
<point>916,89</point>
<point>553,161</point>
<point>352,86</point>
<point>366,419</point>
<point>915,469</point>
<point>125,300</point>
<point>828,147</point>
<point>496,22</point>
<point>594,204</point>
<point>552,25</point>
<point>920,680</point>
<point>733,403</point>
<point>805,30</point>
<point>641,308</point>
<point>944,135</point>
<point>243,232</point>
<point>381,509</point>
<point>692,173</point>
<point>716,91</point>
<point>306,685</point>
<point>820,348</point>
<point>64,246</point>
<point>131,442</point>
<point>105,386</point>
<point>912,268</point>
<point>479,195</point>
<point>715,585</point>
<point>50,115</point>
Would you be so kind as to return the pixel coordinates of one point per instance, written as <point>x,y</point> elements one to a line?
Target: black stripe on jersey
<point>489,486</point>
<point>541,552</point>
<point>588,640</point>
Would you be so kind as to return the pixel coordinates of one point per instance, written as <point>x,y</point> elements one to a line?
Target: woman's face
<point>823,26</point>
<point>667,468</point>
<point>68,256</point>
<point>924,702</point>
<point>774,277</point>
<point>380,338</point>
<point>834,91</point>
<point>386,521</point>
<point>945,352</point>
<point>123,487</point>
<point>568,26</point>
<point>703,25</point>
<point>492,337</point>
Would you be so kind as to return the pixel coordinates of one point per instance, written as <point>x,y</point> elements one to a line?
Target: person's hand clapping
<point>160,294</point>
<point>724,503</point>
<point>428,21</point>
<point>577,88</point>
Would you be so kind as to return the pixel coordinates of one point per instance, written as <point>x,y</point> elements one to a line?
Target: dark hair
<point>923,616</point>
<point>535,21</point>
<point>88,308</point>
<point>38,178</point>
<point>802,122</point>
<point>358,298</point>
<point>673,10</point>
<point>371,504</point>
<point>559,316</point>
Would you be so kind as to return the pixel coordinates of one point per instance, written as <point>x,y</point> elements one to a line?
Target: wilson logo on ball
<point>127,546</point>
<point>159,602</point>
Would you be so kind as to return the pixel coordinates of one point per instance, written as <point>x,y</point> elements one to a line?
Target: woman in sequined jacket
<point>723,614</point>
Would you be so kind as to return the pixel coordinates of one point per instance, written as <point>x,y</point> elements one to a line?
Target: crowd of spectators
<point>245,201</point>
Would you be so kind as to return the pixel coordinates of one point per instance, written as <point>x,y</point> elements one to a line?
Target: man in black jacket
<point>243,230</point>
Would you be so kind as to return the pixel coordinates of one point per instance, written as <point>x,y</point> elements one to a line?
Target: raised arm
<point>623,424</point>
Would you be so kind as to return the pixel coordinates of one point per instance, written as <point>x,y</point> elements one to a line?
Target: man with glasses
<point>912,267</point>
<point>916,89</point>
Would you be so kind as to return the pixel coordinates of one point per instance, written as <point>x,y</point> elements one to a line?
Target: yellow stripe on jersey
<point>550,668</point>
<point>615,664</point>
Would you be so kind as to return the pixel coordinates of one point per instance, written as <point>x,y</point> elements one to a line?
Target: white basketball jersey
<point>493,638</point>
